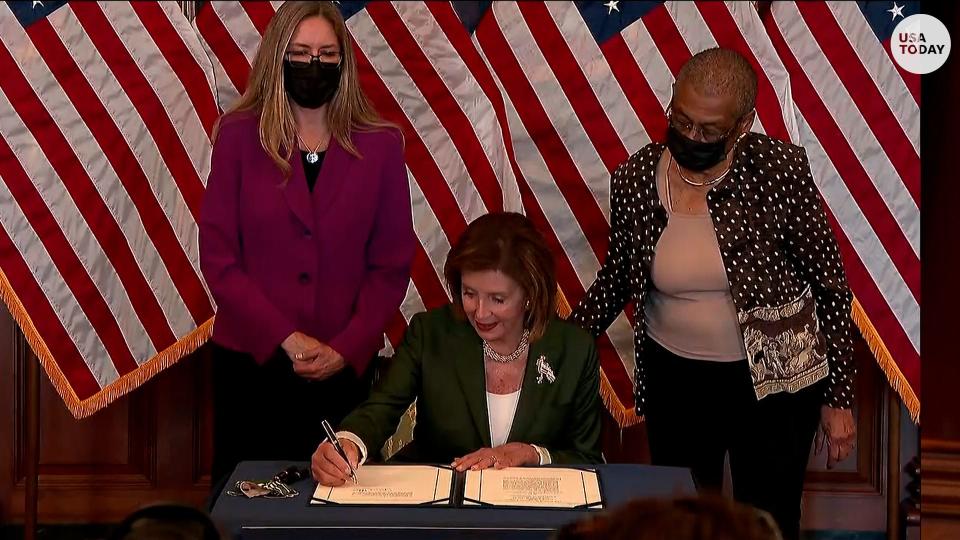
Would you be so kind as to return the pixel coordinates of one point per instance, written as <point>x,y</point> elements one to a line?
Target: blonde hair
<point>349,109</point>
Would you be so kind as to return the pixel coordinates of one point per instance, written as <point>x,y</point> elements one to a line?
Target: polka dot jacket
<point>781,257</point>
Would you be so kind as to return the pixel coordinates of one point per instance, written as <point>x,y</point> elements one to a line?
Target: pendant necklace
<point>312,157</point>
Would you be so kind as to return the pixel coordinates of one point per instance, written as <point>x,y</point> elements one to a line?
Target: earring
<point>527,305</point>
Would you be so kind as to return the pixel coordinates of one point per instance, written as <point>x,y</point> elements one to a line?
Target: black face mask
<point>313,85</point>
<point>695,155</point>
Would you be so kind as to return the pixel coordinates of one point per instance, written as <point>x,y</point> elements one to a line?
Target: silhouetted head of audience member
<point>167,522</point>
<point>688,518</point>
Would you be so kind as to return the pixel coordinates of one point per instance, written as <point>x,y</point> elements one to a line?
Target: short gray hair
<point>719,72</point>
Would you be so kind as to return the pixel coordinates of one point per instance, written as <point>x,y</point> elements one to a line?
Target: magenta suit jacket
<point>333,264</point>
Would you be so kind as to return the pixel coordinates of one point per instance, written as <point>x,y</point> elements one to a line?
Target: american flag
<point>105,115</point>
<point>858,115</point>
<point>529,106</point>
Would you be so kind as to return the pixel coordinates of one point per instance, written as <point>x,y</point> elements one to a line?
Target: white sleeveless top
<point>501,408</point>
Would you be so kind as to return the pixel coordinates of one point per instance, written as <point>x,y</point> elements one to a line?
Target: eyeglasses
<point>304,58</point>
<point>689,129</point>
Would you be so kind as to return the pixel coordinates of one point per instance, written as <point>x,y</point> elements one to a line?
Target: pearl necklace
<point>503,359</point>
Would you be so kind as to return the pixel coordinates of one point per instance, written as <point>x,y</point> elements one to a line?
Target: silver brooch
<point>544,371</point>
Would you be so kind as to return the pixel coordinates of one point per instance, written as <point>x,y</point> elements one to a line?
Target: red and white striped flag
<point>529,106</point>
<point>859,119</point>
<point>105,115</point>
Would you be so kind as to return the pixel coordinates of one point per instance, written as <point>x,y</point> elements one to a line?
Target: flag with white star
<point>106,111</point>
<point>858,115</point>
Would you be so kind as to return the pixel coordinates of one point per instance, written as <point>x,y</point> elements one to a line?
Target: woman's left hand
<point>322,362</point>
<point>838,431</point>
<point>512,454</point>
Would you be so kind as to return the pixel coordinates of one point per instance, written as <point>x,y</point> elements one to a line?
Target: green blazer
<point>440,364</point>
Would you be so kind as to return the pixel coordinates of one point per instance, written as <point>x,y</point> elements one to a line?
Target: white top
<point>501,408</point>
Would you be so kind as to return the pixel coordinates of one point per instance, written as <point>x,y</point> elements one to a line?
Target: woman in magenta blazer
<point>306,240</point>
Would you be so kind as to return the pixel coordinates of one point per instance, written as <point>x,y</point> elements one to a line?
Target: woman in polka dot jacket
<point>742,331</point>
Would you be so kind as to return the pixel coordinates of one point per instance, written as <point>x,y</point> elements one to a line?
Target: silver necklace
<point>312,157</point>
<point>503,359</point>
<point>698,184</point>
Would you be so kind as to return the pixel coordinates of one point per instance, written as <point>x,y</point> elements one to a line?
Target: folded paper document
<point>533,487</point>
<point>392,485</point>
<point>417,485</point>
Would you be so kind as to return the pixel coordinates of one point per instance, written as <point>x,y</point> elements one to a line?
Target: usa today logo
<point>920,44</point>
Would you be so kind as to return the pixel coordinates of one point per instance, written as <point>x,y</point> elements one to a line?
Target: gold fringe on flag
<point>161,361</point>
<point>625,417</point>
<point>897,381</point>
<point>86,407</point>
<point>563,307</point>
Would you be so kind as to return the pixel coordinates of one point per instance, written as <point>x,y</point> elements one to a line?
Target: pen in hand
<point>332,437</point>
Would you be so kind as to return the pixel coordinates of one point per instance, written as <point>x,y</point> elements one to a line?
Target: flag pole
<point>32,457</point>
<point>893,465</point>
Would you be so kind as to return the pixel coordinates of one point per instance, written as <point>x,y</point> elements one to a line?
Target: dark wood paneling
<point>864,472</point>
<point>8,420</point>
<point>940,436</point>
<point>941,478</point>
<point>150,445</point>
<point>124,442</point>
<point>934,528</point>
<point>854,495</point>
